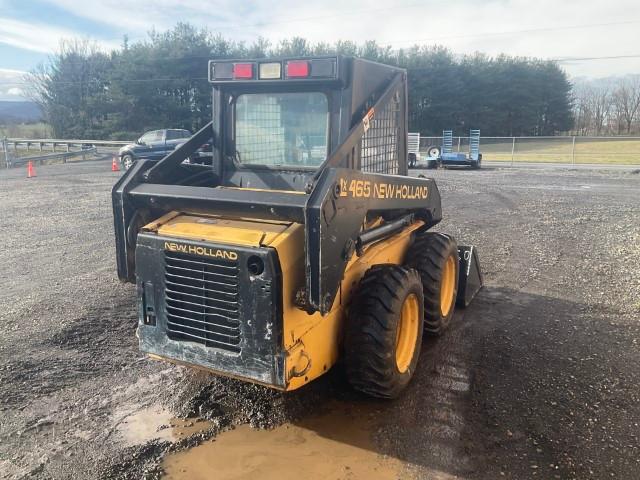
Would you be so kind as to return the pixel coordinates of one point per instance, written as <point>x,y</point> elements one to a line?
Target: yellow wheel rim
<point>407,335</point>
<point>448,286</point>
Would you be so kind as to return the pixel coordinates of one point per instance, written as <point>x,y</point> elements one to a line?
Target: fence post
<point>5,150</point>
<point>459,139</point>
<point>573,150</point>
<point>513,150</point>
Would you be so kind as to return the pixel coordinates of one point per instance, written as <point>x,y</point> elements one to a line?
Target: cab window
<point>282,129</point>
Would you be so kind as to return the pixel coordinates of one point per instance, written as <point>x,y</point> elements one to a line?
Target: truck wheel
<point>127,161</point>
<point>435,257</point>
<point>383,334</point>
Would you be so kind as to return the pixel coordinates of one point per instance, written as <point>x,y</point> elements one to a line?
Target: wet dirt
<point>137,426</point>
<point>336,445</point>
<point>537,379</point>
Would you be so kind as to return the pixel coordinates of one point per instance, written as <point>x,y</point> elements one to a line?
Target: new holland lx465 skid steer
<point>304,242</point>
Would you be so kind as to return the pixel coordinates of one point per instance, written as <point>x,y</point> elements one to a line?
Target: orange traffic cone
<point>114,165</point>
<point>31,172</point>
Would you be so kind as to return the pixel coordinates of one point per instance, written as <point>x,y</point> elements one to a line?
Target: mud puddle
<point>155,423</point>
<point>334,445</point>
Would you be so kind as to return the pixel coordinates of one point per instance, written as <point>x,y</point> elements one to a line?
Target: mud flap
<point>469,275</point>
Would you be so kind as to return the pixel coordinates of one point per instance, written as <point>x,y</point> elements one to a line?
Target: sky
<point>583,35</point>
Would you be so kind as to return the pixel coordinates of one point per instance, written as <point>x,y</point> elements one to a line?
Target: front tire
<point>435,257</point>
<point>383,335</point>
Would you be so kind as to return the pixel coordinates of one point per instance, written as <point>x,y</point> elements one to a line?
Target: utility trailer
<point>413,147</point>
<point>448,157</point>
<point>304,241</point>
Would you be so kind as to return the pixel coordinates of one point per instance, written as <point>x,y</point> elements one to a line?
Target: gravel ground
<point>537,379</point>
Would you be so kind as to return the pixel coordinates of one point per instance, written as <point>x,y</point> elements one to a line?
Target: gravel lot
<point>539,378</point>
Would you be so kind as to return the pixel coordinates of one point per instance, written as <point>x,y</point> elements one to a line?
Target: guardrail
<point>41,143</point>
<point>64,156</point>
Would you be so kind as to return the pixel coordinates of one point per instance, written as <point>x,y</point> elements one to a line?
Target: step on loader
<point>304,242</point>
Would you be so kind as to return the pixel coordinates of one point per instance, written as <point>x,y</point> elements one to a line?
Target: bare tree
<point>583,118</point>
<point>599,101</point>
<point>627,100</point>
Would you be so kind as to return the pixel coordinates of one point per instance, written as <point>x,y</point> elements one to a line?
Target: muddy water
<point>336,445</point>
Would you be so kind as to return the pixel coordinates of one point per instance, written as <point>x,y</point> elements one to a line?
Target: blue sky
<point>31,29</point>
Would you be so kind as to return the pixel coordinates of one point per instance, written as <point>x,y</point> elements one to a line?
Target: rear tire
<point>435,257</point>
<point>412,160</point>
<point>383,333</point>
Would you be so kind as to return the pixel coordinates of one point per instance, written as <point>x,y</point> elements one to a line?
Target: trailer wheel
<point>435,257</point>
<point>383,333</point>
<point>433,152</point>
<point>413,160</point>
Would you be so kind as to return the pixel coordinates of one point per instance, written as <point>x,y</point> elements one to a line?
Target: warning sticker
<point>366,121</point>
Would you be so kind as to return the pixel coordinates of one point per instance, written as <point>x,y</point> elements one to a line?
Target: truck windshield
<point>282,129</point>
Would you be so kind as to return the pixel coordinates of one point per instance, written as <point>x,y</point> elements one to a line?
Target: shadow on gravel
<point>554,388</point>
<point>81,350</point>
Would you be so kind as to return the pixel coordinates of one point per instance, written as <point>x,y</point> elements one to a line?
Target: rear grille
<point>201,300</point>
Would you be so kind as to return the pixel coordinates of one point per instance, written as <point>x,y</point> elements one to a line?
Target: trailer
<point>447,158</point>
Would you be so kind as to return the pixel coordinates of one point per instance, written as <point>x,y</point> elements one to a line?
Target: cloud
<point>37,37</point>
<point>11,82</point>
<point>544,28</point>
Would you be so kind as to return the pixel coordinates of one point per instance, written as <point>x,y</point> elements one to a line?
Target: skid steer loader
<point>304,242</point>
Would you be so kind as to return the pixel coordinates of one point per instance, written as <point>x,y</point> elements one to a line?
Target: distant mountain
<point>22,111</point>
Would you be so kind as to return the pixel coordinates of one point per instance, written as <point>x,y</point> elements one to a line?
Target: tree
<point>161,82</point>
<point>626,98</point>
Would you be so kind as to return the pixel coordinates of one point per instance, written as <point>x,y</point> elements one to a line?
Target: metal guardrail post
<point>5,151</point>
<point>513,150</point>
<point>573,150</point>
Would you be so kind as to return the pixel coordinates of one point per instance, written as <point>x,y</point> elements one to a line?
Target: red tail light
<point>297,69</point>
<point>243,71</point>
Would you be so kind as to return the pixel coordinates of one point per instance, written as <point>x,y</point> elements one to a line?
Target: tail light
<point>243,71</point>
<point>297,69</point>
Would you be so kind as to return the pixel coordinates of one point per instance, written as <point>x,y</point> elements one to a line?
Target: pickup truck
<point>153,145</point>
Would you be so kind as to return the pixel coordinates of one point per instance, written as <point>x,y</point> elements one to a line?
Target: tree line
<point>161,82</point>
<point>607,106</point>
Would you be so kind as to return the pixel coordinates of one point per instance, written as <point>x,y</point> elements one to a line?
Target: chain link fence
<point>566,149</point>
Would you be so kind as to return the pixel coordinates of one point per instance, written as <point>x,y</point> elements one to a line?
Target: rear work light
<point>297,69</point>
<point>269,71</point>
<point>243,71</point>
